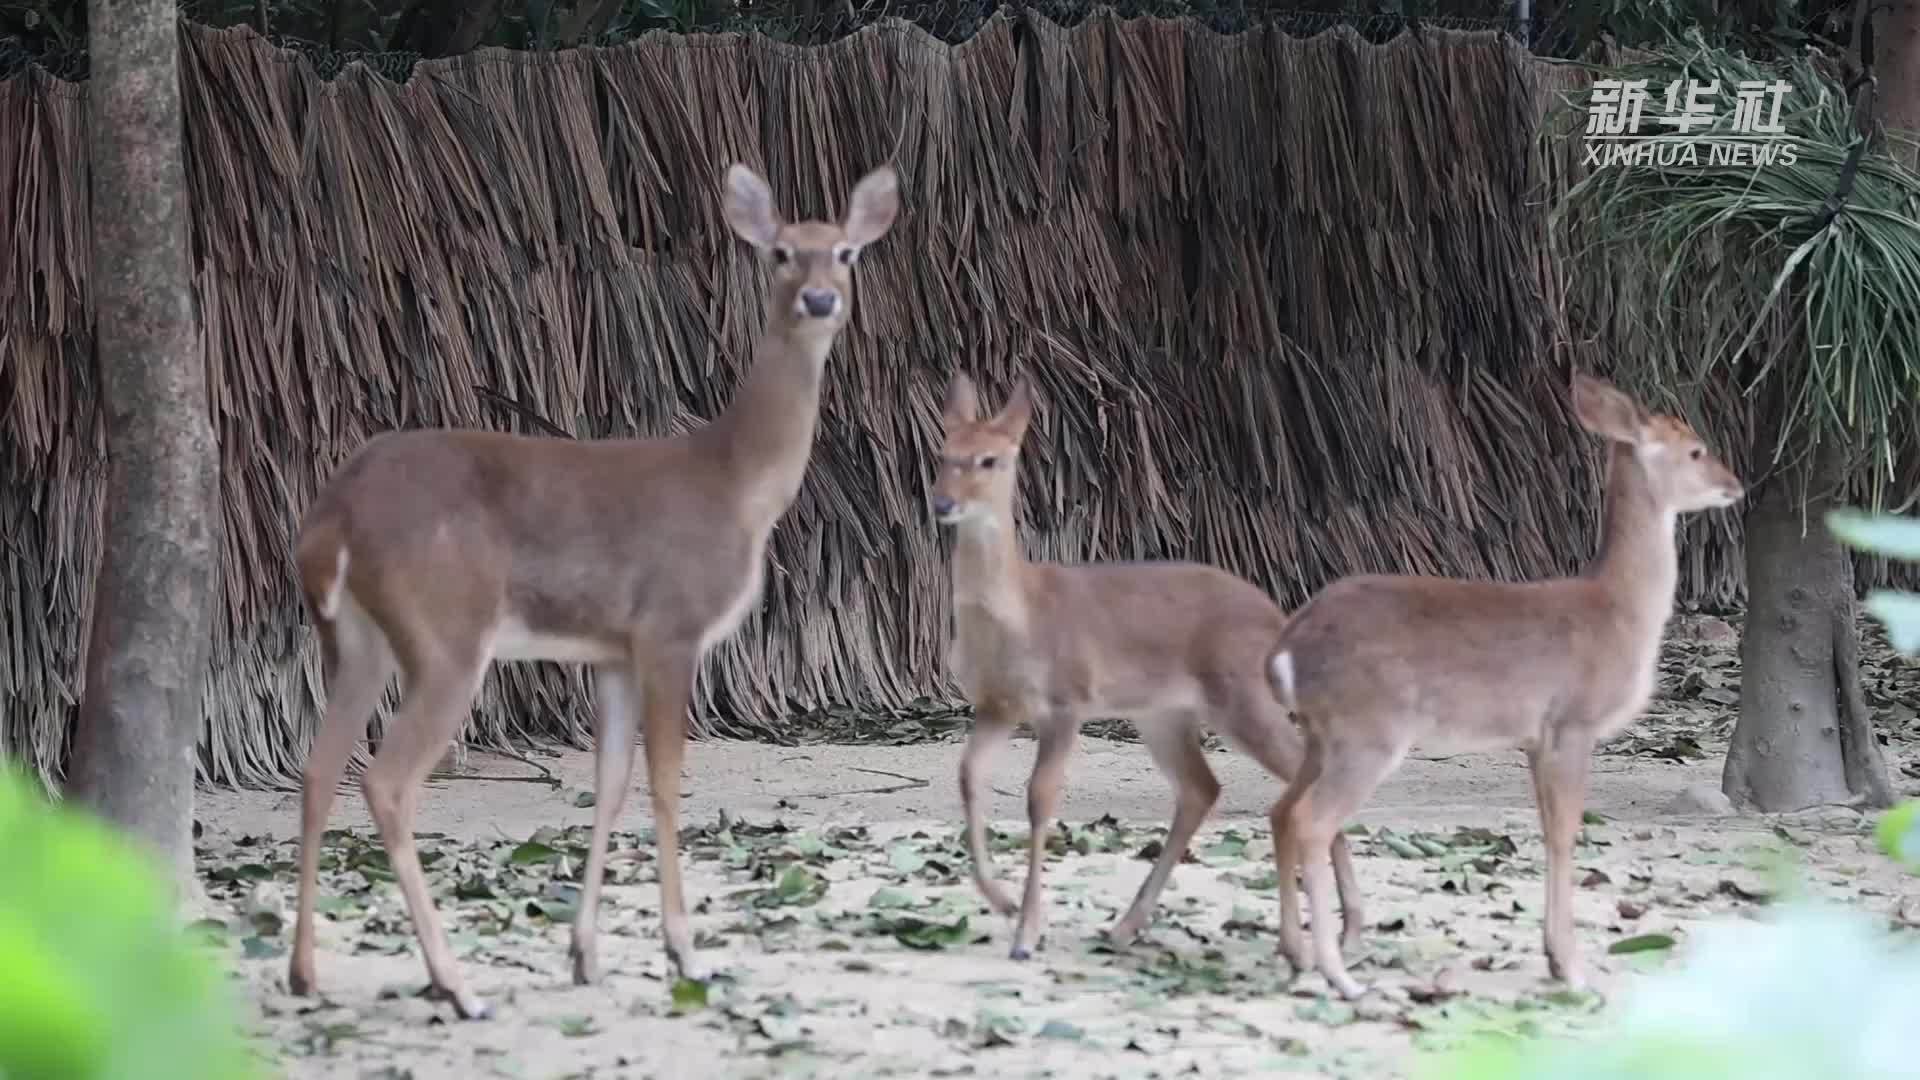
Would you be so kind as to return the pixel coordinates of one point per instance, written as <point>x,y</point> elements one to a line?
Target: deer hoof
<point>1347,986</point>
<point>466,1005</point>
<point>586,969</point>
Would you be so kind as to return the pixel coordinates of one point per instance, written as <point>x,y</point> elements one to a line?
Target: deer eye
<point>1698,453</point>
<point>782,255</point>
<point>988,461</point>
<point>846,253</point>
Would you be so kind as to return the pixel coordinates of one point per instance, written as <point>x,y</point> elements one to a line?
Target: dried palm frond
<point>1286,301</point>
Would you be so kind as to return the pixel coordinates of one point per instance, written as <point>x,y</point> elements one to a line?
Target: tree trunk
<point>133,747</point>
<point>1896,39</point>
<point>1804,737</point>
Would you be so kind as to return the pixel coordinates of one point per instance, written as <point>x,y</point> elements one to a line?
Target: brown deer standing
<point>1165,644</point>
<point>1376,664</point>
<point>443,551</point>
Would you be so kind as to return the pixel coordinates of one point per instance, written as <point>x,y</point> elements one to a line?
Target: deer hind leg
<point>1173,743</point>
<point>357,665</point>
<point>1058,734</point>
<point>1560,788</point>
<point>615,711</point>
<point>441,683</point>
<point>1263,731</point>
<point>1348,775</point>
<point>991,728</point>
<point>1286,856</point>
<point>667,681</point>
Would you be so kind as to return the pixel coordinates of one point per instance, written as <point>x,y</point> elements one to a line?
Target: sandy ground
<point>831,901</point>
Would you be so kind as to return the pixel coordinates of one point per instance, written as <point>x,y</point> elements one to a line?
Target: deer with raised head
<point>1376,664</point>
<point>1166,645</point>
<point>438,552</point>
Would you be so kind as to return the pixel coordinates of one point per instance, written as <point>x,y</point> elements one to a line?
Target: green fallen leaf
<point>1060,1029</point>
<point>531,853</point>
<point>1640,943</point>
<point>578,1027</point>
<point>583,799</point>
<point>904,858</point>
<point>920,934</point>
<point>341,905</point>
<point>243,872</point>
<point>797,886</point>
<point>1398,845</point>
<point>889,898</point>
<point>259,948</point>
<point>558,911</point>
<point>1231,845</point>
<point>689,995</point>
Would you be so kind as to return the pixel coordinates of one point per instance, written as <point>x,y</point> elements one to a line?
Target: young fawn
<point>1376,664</point>
<point>1165,644</point>
<point>442,551</point>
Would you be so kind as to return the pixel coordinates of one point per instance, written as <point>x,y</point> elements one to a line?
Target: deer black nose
<point>819,303</point>
<point>943,506</point>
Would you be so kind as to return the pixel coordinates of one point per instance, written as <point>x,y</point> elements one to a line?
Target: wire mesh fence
<point>950,21</point>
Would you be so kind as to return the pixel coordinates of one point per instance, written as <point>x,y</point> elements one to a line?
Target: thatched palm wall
<point>1286,300</point>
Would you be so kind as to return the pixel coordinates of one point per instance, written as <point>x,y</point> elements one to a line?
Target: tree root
<point>1866,767</point>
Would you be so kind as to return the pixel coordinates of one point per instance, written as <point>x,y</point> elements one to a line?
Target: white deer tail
<point>1280,677</point>
<point>327,603</point>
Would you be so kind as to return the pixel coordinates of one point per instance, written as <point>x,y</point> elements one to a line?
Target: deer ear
<point>963,401</point>
<point>875,203</point>
<point>749,206</point>
<point>1017,413</point>
<point>1606,411</point>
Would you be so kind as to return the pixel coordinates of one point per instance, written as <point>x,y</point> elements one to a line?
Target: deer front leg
<point>614,712</point>
<point>991,727</point>
<point>1057,738</point>
<point>668,683</point>
<point>1560,786</point>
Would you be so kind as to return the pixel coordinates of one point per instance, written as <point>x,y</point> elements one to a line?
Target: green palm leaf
<point>1754,283</point>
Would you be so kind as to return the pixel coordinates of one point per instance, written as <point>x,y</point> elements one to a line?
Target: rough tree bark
<point>1805,736</point>
<point>1896,36</point>
<point>133,748</point>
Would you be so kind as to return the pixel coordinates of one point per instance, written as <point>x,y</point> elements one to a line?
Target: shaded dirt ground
<point>831,900</point>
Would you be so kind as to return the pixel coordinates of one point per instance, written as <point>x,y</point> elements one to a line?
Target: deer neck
<point>1637,561</point>
<point>988,569</point>
<point>766,433</point>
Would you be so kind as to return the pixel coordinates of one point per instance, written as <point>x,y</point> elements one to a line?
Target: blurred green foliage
<point>97,979</point>
<point>1816,991</point>
<point>1895,537</point>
